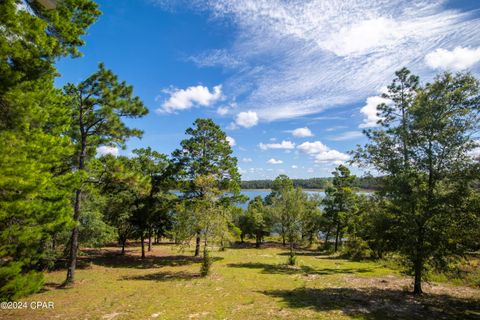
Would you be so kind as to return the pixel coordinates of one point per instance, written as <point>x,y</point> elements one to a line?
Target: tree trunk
<point>418,264</point>
<point>124,240</point>
<point>142,239</point>
<point>76,214</point>
<point>149,241</point>
<point>197,245</point>
<point>336,237</point>
<point>242,238</point>
<point>327,236</point>
<point>74,240</point>
<point>258,239</point>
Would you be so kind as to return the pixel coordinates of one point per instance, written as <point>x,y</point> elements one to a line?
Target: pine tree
<point>423,149</point>
<point>98,105</point>
<point>35,184</point>
<point>206,153</point>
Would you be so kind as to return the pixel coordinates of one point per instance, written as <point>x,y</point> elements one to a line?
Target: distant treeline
<point>371,183</point>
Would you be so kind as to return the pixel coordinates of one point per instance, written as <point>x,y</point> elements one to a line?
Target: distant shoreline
<point>313,190</point>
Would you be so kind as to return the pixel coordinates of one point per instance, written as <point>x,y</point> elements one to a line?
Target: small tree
<point>206,214</point>
<point>282,183</point>
<point>206,153</point>
<point>258,220</point>
<point>339,203</point>
<point>289,207</point>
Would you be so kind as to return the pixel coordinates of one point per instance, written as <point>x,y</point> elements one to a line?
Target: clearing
<point>246,283</point>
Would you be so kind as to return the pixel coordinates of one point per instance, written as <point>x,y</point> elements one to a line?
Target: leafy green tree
<point>156,203</point>
<point>34,185</point>
<point>98,105</point>
<point>376,225</point>
<point>423,147</point>
<point>258,219</point>
<point>289,208</point>
<point>312,219</point>
<point>282,183</point>
<point>339,203</point>
<point>206,153</point>
<point>206,214</point>
<point>122,188</point>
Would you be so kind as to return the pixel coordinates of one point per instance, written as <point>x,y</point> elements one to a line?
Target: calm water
<point>252,193</point>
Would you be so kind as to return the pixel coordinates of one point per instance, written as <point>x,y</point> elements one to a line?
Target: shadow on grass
<point>251,245</point>
<point>116,260</point>
<point>164,276</point>
<point>377,304</point>
<point>284,269</point>
<point>49,286</point>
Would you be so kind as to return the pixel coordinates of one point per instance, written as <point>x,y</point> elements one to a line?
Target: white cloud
<point>231,141</point>
<point>294,167</point>
<point>348,135</point>
<point>297,52</point>
<point>182,99</point>
<point>285,144</point>
<point>457,59</point>
<point>274,161</point>
<point>312,147</point>
<point>302,132</point>
<point>331,156</point>
<point>246,160</point>
<point>369,111</point>
<point>321,153</point>
<point>247,119</point>
<point>103,150</point>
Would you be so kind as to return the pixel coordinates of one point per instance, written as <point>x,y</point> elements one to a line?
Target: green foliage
<point>36,184</point>
<point>367,182</point>
<point>209,180</point>
<point>98,106</point>
<point>292,259</point>
<point>356,249</point>
<point>206,264</point>
<point>423,149</point>
<point>340,206</point>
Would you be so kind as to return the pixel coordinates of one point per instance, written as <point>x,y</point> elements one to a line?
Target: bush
<point>206,264</point>
<point>356,249</point>
<point>292,259</point>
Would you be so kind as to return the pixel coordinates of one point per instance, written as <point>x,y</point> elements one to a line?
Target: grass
<point>246,283</point>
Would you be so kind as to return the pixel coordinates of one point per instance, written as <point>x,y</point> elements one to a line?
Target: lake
<point>252,193</point>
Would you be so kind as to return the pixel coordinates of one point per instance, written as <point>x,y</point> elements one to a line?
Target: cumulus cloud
<point>331,156</point>
<point>246,160</point>
<point>285,144</point>
<point>294,166</point>
<point>312,147</point>
<point>274,161</point>
<point>231,141</point>
<point>182,99</point>
<point>369,111</point>
<point>302,132</point>
<point>246,119</point>
<point>457,59</point>
<point>322,153</point>
<point>103,150</point>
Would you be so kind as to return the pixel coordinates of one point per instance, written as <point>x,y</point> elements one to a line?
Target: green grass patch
<point>244,283</point>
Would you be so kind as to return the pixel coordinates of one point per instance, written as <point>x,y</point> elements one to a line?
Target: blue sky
<point>292,82</point>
